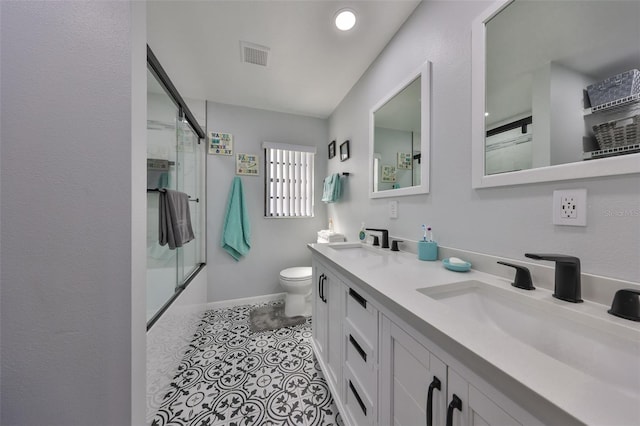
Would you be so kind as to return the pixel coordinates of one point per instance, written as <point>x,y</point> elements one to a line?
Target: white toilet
<point>297,283</point>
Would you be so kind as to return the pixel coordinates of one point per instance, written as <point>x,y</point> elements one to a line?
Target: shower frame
<point>184,112</point>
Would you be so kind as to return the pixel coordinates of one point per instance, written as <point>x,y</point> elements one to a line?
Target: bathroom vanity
<point>406,342</point>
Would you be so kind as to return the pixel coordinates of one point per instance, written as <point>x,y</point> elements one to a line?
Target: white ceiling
<point>312,65</point>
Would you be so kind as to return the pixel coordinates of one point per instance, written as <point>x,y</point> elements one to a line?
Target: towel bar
<point>197,200</point>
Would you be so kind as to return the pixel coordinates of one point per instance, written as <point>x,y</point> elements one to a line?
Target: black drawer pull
<point>358,348</point>
<point>435,384</point>
<point>360,403</point>
<point>361,300</point>
<point>455,403</point>
<point>320,279</point>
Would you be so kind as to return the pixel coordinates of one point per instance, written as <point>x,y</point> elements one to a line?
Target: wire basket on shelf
<point>618,133</point>
<point>614,88</point>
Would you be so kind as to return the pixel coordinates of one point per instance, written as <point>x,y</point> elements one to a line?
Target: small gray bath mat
<point>271,318</point>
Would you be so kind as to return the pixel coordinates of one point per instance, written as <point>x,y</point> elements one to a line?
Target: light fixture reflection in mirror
<point>532,62</point>
<point>399,139</point>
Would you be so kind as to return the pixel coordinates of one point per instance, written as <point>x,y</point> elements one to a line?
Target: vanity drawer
<point>357,403</point>
<point>361,358</point>
<point>362,316</point>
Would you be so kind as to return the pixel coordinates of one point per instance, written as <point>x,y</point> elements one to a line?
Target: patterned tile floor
<point>231,376</point>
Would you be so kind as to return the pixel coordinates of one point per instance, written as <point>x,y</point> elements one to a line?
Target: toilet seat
<point>300,273</point>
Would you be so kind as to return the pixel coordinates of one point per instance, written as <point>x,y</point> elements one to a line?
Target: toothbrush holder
<point>427,250</point>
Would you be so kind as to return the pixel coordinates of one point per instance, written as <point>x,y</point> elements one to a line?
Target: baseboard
<point>245,301</point>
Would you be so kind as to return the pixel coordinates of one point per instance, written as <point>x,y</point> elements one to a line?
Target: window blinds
<point>288,180</point>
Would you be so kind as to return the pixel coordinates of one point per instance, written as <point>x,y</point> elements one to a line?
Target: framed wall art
<point>332,149</point>
<point>404,160</point>
<point>247,164</point>
<point>344,151</point>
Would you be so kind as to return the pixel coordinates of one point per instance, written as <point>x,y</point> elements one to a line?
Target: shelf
<point>614,105</point>
<point>612,152</point>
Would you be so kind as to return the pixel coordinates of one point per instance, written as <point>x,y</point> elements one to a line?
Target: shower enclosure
<point>175,160</point>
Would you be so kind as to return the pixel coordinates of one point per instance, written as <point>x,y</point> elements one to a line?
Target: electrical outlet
<point>393,209</point>
<point>570,207</point>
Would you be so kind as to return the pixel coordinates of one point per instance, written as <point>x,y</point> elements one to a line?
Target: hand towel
<point>332,190</point>
<point>175,219</point>
<point>236,231</point>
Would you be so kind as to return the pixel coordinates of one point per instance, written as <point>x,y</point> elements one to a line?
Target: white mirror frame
<point>424,72</point>
<point>621,165</point>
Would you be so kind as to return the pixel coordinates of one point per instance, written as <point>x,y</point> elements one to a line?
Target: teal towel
<point>236,231</point>
<point>332,188</point>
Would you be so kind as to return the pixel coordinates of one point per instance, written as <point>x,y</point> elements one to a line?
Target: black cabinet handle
<point>355,393</point>
<point>358,348</point>
<point>435,384</point>
<point>320,286</point>
<point>361,300</point>
<point>455,403</point>
<point>324,298</point>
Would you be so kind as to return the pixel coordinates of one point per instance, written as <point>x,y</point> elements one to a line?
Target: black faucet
<point>567,285</point>
<point>385,236</point>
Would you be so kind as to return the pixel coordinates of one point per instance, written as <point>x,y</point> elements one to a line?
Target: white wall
<point>567,117</point>
<point>66,170</point>
<point>507,221</point>
<point>275,243</point>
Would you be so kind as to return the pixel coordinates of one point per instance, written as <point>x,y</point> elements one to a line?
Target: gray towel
<point>175,219</point>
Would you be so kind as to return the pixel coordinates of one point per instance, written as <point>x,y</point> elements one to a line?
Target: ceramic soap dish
<point>457,267</point>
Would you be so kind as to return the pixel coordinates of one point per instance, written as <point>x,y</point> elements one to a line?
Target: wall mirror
<point>399,138</point>
<point>533,119</point>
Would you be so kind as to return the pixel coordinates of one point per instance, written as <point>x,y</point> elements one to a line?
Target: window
<point>288,180</point>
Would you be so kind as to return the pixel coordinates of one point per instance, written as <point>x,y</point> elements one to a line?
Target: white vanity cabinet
<point>411,380</point>
<point>327,308</point>
<point>360,331</point>
<point>476,409</point>
<point>414,382</point>
<point>381,371</point>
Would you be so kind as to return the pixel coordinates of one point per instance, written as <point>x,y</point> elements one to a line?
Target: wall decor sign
<point>332,149</point>
<point>247,164</point>
<point>344,151</point>
<point>220,143</point>
<point>404,160</point>
<point>388,174</point>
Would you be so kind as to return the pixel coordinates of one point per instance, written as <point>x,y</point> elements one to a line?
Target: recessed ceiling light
<point>345,19</point>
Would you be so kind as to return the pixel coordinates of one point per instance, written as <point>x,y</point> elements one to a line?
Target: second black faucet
<point>385,236</point>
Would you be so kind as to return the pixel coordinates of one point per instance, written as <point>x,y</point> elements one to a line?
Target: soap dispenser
<point>362,235</point>
<point>427,248</point>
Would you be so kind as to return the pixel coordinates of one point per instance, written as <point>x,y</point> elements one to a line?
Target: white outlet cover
<point>393,209</point>
<point>570,207</point>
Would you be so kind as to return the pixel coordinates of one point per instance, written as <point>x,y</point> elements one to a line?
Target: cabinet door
<point>407,371</point>
<point>475,408</point>
<point>333,291</point>
<point>319,312</point>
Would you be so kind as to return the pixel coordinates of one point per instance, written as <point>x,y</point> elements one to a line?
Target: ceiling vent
<point>254,53</point>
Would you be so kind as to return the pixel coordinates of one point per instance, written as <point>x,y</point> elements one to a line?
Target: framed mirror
<point>533,119</point>
<point>399,138</point>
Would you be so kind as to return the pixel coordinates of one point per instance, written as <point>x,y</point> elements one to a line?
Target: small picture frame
<point>247,164</point>
<point>405,160</point>
<point>344,151</point>
<point>332,149</point>
<point>388,174</point>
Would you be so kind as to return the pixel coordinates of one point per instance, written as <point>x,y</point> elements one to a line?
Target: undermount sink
<point>355,250</point>
<point>597,347</point>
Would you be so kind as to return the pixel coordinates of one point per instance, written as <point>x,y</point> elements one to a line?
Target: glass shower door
<point>188,171</point>
<point>162,118</point>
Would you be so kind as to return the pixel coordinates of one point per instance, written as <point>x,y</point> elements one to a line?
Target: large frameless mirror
<point>399,139</point>
<point>534,118</point>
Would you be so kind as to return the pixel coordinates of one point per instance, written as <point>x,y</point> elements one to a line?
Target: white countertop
<point>392,278</point>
